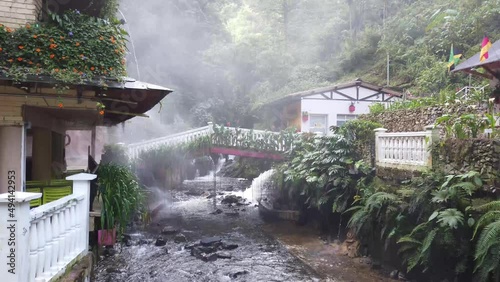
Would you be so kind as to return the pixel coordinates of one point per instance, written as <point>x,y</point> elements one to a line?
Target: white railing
<point>467,89</point>
<point>39,244</point>
<point>245,134</point>
<point>404,150</point>
<point>191,135</point>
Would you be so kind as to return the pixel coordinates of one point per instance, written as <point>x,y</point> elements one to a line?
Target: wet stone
<point>207,249</point>
<point>210,241</point>
<point>169,230</point>
<point>223,255</point>
<point>217,211</point>
<point>235,213</point>
<point>190,246</point>
<point>143,242</point>
<point>238,274</point>
<point>210,257</point>
<point>113,270</point>
<point>180,238</point>
<point>229,246</point>
<point>231,199</point>
<point>195,252</point>
<point>160,242</point>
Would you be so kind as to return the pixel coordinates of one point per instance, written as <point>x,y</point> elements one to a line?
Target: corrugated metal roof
<point>473,62</point>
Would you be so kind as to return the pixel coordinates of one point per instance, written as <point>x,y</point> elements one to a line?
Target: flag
<point>485,46</point>
<point>454,58</point>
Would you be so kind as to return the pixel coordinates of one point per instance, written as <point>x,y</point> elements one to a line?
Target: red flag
<point>485,46</point>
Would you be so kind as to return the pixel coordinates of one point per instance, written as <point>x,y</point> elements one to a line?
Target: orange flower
<point>21,47</point>
<point>52,56</point>
<point>101,38</point>
<point>63,57</point>
<point>28,26</point>
<point>75,70</point>
<point>56,70</point>
<point>35,36</point>
<point>38,50</point>
<point>77,44</point>
<point>62,37</point>
<point>60,105</point>
<point>10,60</point>
<point>20,59</point>
<point>30,62</point>
<point>38,65</point>
<point>53,46</point>
<point>81,55</point>
<point>101,112</point>
<point>1,49</point>
<point>9,30</point>
<point>52,40</point>
<point>110,68</point>
<point>92,68</point>
<point>117,51</point>
<point>80,73</point>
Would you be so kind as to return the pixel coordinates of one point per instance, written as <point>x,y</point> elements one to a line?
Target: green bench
<point>52,190</point>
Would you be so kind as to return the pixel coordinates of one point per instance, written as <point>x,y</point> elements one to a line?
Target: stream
<point>239,249</point>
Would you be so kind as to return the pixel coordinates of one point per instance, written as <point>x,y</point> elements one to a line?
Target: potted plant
<point>121,197</point>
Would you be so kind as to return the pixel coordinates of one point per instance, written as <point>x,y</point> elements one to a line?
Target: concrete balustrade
<point>43,241</point>
<point>404,150</point>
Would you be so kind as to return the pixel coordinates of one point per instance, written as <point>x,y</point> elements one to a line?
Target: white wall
<point>318,104</point>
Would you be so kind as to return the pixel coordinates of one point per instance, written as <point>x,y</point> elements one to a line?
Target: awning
<point>123,99</point>
<point>491,65</point>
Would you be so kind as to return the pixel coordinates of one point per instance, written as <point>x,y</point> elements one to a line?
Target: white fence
<point>39,244</point>
<point>404,150</point>
<point>136,148</point>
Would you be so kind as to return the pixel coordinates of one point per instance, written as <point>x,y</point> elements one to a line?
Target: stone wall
<point>16,13</point>
<point>459,156</point>
<point>410,120</point>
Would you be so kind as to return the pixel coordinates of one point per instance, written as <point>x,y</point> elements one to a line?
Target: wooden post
<point>15,235</point>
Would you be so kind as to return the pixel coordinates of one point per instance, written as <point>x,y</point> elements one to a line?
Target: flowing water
<point>258,257</point>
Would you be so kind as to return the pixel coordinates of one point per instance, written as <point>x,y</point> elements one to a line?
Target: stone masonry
<point>16,13</point>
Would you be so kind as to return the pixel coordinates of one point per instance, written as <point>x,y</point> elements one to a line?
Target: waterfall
<point>261,187</point>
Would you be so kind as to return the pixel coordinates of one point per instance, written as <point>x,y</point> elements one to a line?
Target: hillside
<point>233,56</point>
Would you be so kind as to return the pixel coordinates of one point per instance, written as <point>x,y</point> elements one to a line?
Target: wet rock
<point>223,255</point>
<point>191,246</point>
<point>217,211</point>
<point>243,210</point>
<point>109,252</point>
<point>229,188</point>
<point>229,246</point>
<point>180,238</point>
<point>234,213</point>
<point>166,251</point>
<point>194,192</point>
<point>160,242</point>
<point>113,270</point>
<point>126,238</point>
<point>401,276</point>
<point>143,242</point>
<point>231,199</point>
<point>238,274</point>
<point>394,274</point>
<point>169,230</point>
<point>207,249</point>
<point>195,252</point>
<point>210,241</point>
<point>210,196</point>
<point>209,257</point>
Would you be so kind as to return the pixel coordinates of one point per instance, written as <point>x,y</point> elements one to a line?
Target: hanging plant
<point>60,103</point>
<point>100,107</point>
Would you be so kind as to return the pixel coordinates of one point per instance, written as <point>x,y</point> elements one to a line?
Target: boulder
<point>209,257</point>
<point>223,255</point>
<point>238,274</point>
<point>180,238</point>
<point>169,230</point>
<point>231,199</point>
<point>227,246</point>
<point>160,242</point>
<point>208,241</point>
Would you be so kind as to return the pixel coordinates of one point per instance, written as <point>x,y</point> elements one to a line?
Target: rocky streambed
<point>190,239</point>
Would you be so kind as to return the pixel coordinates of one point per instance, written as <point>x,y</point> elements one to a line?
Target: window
<point>341,119</point>
<point>318,124</point>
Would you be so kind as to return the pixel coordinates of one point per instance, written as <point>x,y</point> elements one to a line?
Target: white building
<point>316,110</point>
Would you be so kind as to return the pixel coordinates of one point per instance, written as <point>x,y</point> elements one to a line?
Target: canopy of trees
<point>224,58</point>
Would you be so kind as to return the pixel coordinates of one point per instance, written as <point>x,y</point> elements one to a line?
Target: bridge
<point>219,139</point>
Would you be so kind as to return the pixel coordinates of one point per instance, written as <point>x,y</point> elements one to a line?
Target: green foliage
<point>377,108</point>
<point>121,196</point>
<point>72,48</point>
<point>487,254</point>
<point>249,139</point>
<point>465,126</point>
